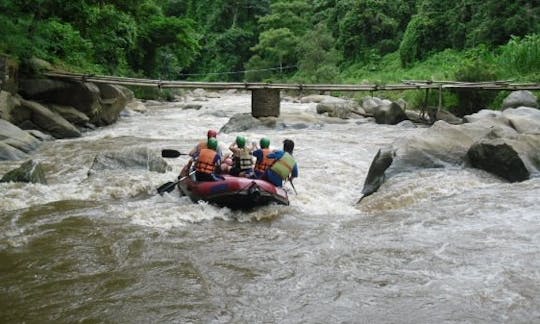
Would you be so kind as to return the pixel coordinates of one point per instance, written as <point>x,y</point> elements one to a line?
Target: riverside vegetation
<point>309,41</point>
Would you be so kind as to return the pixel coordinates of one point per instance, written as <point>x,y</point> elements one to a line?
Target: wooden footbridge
<point>265,97</point>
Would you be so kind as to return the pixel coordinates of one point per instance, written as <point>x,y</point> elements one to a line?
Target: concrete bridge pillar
<point>265,102</point>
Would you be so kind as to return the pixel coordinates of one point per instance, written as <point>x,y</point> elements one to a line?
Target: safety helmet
<point>240,141</point>
<point>211,133</point>
<point>212,143</point>
<point>265,142</point>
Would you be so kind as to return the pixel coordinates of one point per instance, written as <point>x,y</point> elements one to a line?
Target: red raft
<point>234,192</point>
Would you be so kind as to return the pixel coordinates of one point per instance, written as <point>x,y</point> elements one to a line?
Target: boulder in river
<point>29,171</point>
<point>505,144</point>
<point>15,142</point>
<point>138,158</point>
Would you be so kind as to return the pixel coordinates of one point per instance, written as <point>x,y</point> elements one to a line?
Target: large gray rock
<point>321,98</point>
<point>523,119</point>
<point>14,136</point>
<point>336,109</point>
<point>370,103</point>
<point>8,152</point>
<point>445,145</point>
<point>113,100</point>
<point>29,171</point>
<point>448,117</point>
<point>84,96</point>
<point>138,158</point>
<point>391,114</point>
<point>240,123</point>
<point>71,114</point>
<point>50,121</point>
<point>520,98</point>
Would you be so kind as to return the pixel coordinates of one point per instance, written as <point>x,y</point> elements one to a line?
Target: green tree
<point>111,44</point>
<point>163,36</point>
<point>278,41</point>
<point>370,26</point>
<point>230,29</point>
<point>318,57</point>
<point>465,24</point>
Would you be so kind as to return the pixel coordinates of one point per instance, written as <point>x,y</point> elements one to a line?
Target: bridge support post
<point>265,102</point>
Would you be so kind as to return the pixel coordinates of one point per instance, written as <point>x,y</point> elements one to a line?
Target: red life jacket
<point>266,162</point>
<point>205,163</point>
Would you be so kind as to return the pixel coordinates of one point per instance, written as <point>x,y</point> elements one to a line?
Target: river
<point>432,246</point>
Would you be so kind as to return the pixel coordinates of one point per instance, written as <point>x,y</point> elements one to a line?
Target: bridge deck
<point>406,85</point>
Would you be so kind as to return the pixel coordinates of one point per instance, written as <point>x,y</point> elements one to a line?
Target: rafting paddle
<point>292,185</point>
<point>168,153</point>
<point>169,186</point>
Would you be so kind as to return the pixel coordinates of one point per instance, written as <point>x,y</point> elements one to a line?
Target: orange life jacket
<point>266,162</point>
<point>205,163</point>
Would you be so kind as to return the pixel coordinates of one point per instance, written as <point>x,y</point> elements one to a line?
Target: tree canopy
<point>313,40</point>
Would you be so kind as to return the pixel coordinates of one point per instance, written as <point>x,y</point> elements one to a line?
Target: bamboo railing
<point>405,85</point>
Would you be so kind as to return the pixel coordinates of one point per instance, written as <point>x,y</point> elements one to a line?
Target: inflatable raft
<point>233,192</point>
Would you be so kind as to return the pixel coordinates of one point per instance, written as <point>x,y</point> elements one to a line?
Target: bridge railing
<point>405,85</point>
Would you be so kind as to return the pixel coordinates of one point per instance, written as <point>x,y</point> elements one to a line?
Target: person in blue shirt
<point>285,166</point>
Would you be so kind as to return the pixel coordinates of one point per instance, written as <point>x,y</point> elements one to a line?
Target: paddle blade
<point>169,186</point>
<point>168,153</point>
<point>166,187</point>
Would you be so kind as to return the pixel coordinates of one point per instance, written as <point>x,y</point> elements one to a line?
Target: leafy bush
<point>521,56</point>
<point>55,40</point>
<point>471,101</point>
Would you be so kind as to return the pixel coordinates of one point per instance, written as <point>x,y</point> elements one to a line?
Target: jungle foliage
<point>314,41</point>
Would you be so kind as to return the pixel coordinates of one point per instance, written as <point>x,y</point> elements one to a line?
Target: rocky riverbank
<point>45,109</point>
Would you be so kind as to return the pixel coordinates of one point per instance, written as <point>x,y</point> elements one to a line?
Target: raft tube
<point>234,192</point>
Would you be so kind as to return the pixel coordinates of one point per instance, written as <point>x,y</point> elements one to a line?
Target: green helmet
<point>265,142</point>
<point>212,143</point>
<point>240,141</point>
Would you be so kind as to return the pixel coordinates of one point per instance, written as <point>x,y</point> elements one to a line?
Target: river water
<point>432,246</point>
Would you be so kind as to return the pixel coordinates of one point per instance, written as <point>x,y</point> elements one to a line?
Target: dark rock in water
<point>191,106</point>
<point>499,158</point>
<point>298,126</point>
<point>391,114</point>
<point>505,144</point>
<point>375,177</point>
<point>240,123</point>
<point>139,158</point>
<point>29,171</point>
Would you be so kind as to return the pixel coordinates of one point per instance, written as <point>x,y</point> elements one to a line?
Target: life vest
<point>266,161</point>
<point>205,163</point>
<point>245,159</point>
<point>284,166</point>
